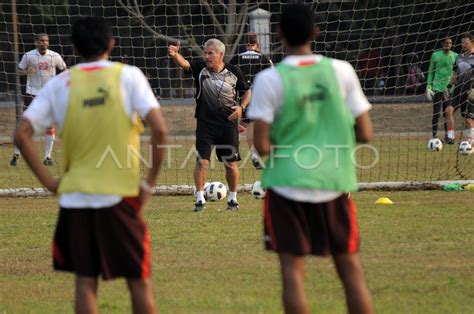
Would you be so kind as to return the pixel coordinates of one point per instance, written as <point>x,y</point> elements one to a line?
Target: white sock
<point>255,155</point>
<point>200,197</point>
<point>451,134</point>
<point>232,196</point>
<point>48,145</point>
<point>469,134</point>
<point>17,151</point>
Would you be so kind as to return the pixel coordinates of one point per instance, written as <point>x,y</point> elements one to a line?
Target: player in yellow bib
<point>96,107</point>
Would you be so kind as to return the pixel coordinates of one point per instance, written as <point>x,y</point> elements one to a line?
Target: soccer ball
<point>435,145</point>
<point>257,191</point>
<point>465,148</point>
<point>215,191</point>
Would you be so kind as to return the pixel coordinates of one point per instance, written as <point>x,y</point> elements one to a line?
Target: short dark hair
<point>91,35</point>
<point>297,24</point>
<point>252,38</point>
<point>38,36</point>
<point>468,35</point>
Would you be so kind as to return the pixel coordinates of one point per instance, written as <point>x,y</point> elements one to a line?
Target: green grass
<point>400,159</point>
<point>418,257</point>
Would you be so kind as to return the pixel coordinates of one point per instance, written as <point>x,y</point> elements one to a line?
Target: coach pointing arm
<point>173,52</point>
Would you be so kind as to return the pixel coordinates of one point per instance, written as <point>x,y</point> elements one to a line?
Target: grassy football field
<point>418,257</point>
<point>418,254</point>
<point>394,159</point>
<point>401,134</point>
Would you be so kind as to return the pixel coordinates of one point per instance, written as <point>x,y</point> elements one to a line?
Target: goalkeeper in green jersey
<point>438,89</point>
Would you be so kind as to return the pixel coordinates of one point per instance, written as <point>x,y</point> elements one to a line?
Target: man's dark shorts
<point>439,97</point>
<point>245,118</point>
<point>224,138</point>
<point>310,228</point>
<point>112,241</point>
<point>27,99</point>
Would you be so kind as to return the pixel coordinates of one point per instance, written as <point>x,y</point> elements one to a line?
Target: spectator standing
<point>415,76</point>
<point>369,65</point>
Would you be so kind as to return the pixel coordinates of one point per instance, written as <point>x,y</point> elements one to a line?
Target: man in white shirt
<point>39,65</point>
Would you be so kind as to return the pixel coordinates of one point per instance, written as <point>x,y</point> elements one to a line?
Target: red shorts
<point>112,241</point>
<point>310,228</point>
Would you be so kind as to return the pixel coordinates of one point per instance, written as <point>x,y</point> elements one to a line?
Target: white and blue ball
<point>258,191</point>
<point>465,148</point>
<point>215,191</point>
<point>434,145</point>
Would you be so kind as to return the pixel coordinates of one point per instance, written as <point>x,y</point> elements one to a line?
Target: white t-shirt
<point>50,107</point>
<point>267,101</point>
<point>45,66</point>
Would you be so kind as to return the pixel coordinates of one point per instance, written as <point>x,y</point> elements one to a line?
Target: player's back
<point>251,62</point>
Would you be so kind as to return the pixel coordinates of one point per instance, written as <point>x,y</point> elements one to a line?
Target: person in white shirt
<point>39,65</point>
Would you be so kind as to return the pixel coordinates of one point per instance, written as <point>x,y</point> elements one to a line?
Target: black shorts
<point>112,241</point>
<point>27,99</point>
<point>224,139</point>
<point>461,101</point>
<point>467,110</point>
<point>245,119</point>
<point>440,97</point>
<point>310,228</point>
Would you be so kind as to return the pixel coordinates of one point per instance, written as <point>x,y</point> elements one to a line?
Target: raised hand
<point>173,50</point>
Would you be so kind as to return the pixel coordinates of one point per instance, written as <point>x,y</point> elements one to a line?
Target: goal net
<point>384,41</point>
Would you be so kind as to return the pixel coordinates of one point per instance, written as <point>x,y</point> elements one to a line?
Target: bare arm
<point>25,67</point>
<point>363,128</point>
<point>246,99</point>
<point>238,110</point>
<point>261,137</point>
<point>24,141</point>
<point>173,52</point>
<point>159,131</point>
<point>454,77</point>
<point>28,71</point>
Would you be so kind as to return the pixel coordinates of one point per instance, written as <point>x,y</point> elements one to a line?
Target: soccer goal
<point>389,43</point>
